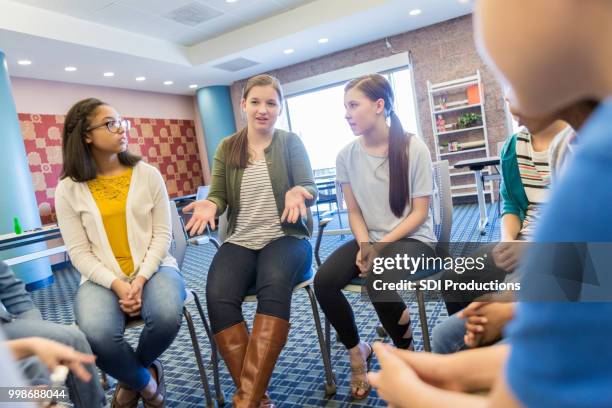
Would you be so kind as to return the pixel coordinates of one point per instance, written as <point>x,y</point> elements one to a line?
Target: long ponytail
<point>375,87</point>
<point>399,185</point>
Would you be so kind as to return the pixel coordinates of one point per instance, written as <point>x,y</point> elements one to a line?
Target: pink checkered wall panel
<point>168,144</point>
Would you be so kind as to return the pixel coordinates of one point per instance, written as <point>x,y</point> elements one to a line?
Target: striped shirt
<point>257,222</point>
<point>534,169</point>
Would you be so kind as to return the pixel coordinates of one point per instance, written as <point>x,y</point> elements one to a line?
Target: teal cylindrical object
<point>17,197</point>
<point>217,115</point>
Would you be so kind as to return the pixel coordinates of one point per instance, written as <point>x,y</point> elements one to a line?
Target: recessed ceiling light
<point>24,62</point>
<point>289,51</point>
<point>464,1</point>
<point>193,86</point>
<point>109,74</point>
<point>140,78</point>
<point>168,82</point>
<point>70,69</point>
<point>415,12</point>
<point>323,40</point>
<point>231,1</point>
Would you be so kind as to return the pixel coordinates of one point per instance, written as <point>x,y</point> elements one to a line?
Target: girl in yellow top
<point>114,216</point>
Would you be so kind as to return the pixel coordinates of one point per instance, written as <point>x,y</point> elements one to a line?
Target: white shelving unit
<point>457,102</point>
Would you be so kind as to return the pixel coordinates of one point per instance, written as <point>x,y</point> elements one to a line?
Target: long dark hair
<point>375,87</point>
<point>237,146</point>
<point>79,163</point>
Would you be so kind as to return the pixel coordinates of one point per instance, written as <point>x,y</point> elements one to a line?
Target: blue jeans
<point>29,324</point>
<point>447,337</point>
<point>103,322</point>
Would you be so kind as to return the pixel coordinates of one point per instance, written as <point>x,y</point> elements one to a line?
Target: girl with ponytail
<point>387,181</point>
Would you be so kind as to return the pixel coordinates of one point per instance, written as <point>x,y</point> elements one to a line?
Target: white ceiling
<point>148,17</point>
<point>136,38</point>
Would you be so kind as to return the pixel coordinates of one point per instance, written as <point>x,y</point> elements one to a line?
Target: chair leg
<point>328,337</point>
<point>423,318</point>
<point>198,355</point>
<point>214,351</point>
<point>330,383</point>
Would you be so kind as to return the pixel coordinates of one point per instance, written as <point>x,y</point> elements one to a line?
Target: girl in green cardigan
<point>262,177</point>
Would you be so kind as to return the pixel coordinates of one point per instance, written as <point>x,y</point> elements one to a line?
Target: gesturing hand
<point>295,204</point>
<point>204,212</point>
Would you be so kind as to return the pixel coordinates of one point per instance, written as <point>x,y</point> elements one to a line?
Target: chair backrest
<point>442,202</point>
<point>179,236</point>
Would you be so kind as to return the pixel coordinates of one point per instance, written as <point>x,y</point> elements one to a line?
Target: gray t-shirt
<point>368,176</point>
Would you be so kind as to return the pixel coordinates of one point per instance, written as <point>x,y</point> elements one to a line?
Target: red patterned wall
<point>167,144</point>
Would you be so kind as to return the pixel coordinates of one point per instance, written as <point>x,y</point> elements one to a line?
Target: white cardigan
<point>148,227</point>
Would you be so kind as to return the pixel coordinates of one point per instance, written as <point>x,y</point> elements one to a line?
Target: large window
<point>318,117</point>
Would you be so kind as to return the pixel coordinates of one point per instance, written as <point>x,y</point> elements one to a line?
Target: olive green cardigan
<point>288,166</point>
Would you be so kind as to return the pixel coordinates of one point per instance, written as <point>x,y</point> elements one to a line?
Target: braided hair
<point>78,161</point>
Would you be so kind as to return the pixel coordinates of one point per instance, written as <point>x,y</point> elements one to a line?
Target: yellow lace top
<point>110,194</point>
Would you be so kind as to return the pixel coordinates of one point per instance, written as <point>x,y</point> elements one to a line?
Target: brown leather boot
<point>232,344</point>
<point>267,341</point>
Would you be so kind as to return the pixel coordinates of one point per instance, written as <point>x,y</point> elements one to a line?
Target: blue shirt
<point>562,351</point>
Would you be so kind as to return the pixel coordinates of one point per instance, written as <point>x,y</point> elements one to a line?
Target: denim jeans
<point>103,322</point>
<point>447,336</point>
<point>273,270</point>
<point>82,394</point>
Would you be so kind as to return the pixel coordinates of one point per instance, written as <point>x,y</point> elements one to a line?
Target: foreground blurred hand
<point>52,354</point>
<point>414,380</point>
<point>485,322</point>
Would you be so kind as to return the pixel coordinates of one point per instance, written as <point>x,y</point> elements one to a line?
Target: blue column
<point>17,197</point>
<point>215,105</point>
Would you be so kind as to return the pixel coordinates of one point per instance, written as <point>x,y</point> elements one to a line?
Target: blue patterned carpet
<point>298,377</point>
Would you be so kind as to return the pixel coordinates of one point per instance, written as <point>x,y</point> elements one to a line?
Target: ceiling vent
<point>192,14</point>
<point>236,64</point>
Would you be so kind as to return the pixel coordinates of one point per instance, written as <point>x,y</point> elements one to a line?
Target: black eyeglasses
<point>113,126</point>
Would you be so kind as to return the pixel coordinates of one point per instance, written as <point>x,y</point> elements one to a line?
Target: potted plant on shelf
<point>468,120</point>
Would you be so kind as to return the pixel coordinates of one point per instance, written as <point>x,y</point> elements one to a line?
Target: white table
<point>477,165</point>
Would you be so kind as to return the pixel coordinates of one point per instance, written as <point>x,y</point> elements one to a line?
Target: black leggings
<point>339,269</point>
<point>273,270</point>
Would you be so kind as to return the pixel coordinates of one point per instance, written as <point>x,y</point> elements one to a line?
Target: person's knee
<point>437,340</point>
<point>221,300</point>
<point>168,322</point>
<point>275,299</point>
<point>447,336</point>
<point>276,307</point>
<point>166,286</point>
<point>319,282</point>
<point>325,282</point>
<point>99,336</point>
<point>78,340</point>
